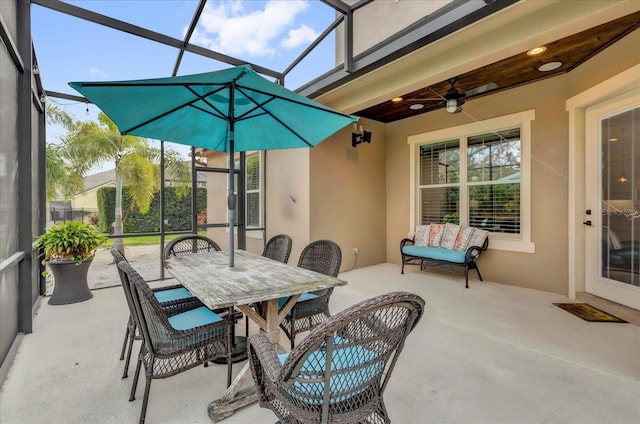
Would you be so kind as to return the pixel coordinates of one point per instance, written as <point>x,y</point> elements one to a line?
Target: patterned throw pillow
<point>421,237</point>
<point>449,235</point>
<point>462,240</point>
<point>478,237</point>
<point>435,234</point>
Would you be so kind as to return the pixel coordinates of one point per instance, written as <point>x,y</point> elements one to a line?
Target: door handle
<point>587,223</point>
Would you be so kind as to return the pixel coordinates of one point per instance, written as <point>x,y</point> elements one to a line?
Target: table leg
<point>235,398</point>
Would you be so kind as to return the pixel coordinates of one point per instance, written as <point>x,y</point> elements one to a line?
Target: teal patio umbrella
<point>231,110</point>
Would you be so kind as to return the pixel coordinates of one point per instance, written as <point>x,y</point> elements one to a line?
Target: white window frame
<point>250,231</point>
<point>499,241</point>
<point>260,190</point>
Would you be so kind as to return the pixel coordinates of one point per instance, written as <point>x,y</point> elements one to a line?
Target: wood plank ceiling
<point>509,73</point>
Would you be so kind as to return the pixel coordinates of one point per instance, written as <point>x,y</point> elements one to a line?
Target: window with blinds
<point>484,169</point>
<point>493,178</point>
<point>253,216</point>
<point>440,182</point>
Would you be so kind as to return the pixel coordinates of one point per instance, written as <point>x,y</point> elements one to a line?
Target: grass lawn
<point>146,240</point>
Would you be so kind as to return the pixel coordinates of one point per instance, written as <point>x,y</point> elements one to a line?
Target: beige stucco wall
<point>547,268</point>
<point>339,195</point>
<point>288,197</point>
<point>348,202</point>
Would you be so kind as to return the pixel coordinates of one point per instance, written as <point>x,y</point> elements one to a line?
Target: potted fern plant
<point>68,250</point>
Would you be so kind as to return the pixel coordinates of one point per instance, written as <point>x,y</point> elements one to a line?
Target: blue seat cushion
<point>436,253</point>
<point>302,298</point>
<point>344,357</point>
<point>193,318</point>
<point>170,295</point>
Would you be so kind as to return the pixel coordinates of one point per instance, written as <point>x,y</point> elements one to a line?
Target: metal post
<point>26,270</point>
<point>161,200</point>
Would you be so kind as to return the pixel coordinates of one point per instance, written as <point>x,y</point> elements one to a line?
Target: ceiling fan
<point>454,99</point>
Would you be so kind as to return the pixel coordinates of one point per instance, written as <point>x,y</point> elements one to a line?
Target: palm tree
<point>89,143</point>
<point>60,184</point>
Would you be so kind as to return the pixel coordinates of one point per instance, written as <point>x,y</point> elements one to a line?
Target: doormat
<point>588,312</point>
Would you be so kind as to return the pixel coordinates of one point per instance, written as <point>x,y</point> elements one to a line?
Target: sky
<point>269,33</point>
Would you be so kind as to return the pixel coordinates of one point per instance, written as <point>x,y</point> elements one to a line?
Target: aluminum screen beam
<point>148,34</point>
<point>453,17</point>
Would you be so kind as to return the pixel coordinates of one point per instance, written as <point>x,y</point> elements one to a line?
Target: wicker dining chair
<point>339,372</point>
<point>187,244</point>
<point>325,257</point>
<point>195,243</point>
<point>172,298</point>
<point>173,342</point>
<point>278,248</point>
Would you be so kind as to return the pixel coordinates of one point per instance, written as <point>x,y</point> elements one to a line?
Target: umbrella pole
<point>231,199</point>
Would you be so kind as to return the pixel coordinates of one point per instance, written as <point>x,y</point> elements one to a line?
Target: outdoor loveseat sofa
<point>448,246</point>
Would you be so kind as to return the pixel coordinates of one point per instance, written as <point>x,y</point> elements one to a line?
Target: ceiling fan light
<point>537,50</point>
<point>452,105</point>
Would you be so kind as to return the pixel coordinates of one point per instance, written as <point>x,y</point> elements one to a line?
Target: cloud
<point>230,28</point>
<point>97,72</point>
<point>299,36</point>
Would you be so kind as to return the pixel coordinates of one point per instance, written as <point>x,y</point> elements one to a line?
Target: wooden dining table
<point>253,280</point>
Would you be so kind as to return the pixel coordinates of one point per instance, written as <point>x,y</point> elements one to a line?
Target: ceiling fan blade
<point>454,93</point>
<point>481,89</point>
<point>426,99</point>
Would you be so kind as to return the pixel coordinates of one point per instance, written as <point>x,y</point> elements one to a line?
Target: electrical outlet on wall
<point>355,250</point>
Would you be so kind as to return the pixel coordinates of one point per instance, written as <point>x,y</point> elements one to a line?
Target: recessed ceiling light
<point>397,99</point>
<point>416,106</point>
<point>537,50</point>
<point>549,66</point>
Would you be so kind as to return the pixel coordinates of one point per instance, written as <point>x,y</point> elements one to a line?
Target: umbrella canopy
<point>228,111</point>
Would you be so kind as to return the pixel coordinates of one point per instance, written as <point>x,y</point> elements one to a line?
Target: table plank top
<point>254,278</point>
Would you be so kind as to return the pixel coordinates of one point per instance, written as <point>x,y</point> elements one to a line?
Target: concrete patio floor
<point>490,354</point>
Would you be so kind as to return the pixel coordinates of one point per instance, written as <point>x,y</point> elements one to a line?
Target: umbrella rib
<point>275,96</point>
<point>260,106</point>
<point>220,113</point>
<point>162,115</point>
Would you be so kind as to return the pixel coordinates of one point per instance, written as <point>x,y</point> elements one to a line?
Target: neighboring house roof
<point>107,177</point>
<point>99,179</point>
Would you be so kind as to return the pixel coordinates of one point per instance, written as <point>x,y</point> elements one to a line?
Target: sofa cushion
<point>462,240</point>
<point>449,235</point>
<point>435,234</point>
<point>421,238</point>
<point>437,253</point>
<point>478,237</point>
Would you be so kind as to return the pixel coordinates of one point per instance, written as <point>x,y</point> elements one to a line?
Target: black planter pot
<point>70,280</point>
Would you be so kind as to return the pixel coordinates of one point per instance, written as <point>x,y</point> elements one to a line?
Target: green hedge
<point>177,211</point>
